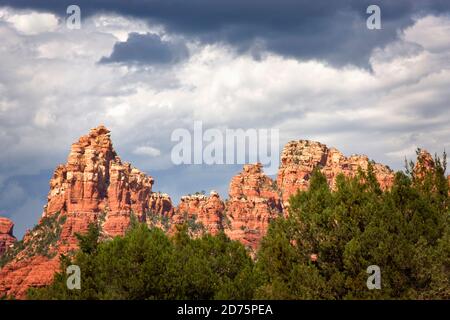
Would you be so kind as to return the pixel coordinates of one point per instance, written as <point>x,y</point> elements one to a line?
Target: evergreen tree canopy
<point>147,264</point>
<point>404,231</point>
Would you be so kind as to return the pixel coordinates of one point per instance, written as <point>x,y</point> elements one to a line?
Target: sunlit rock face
<point>94,185</point>
<point>95,182</point>
<point>253,202</point>
<point>300,158</point>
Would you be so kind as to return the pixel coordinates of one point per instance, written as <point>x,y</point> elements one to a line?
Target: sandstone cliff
<point>93,186</point>
<point>300,158</point>
<point>201,213</point>
<point>253,202</point>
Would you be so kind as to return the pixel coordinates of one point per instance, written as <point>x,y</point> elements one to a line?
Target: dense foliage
<point>147,264</point>
<point>405,231</point>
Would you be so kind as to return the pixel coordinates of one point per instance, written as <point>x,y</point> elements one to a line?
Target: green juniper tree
<point>147,264</point>
<point>404,231</point>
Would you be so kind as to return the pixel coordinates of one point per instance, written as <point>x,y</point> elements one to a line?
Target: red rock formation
<point>160,211</point>
<point>205,211</point>
<point>300,158</point>
<point>96,186</point>
<point>337,163</point>
<point>76,222</point>
<point>161,204</point>
<point>21,274</point>
<point>93,186</point>
<point>95,180</point>
<point>253,203</point>
<point>424,163</point>
<point>6,235</point>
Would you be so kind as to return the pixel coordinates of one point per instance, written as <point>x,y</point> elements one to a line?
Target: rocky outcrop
<point>300,158</point>
<point>253,202</point>
<point>202,213</point>
<point>34,260</point>
<point>161,204</point>
<point>19,275</point>
<point>7,238</point>
<point>93,186</point>
<point>425,163</point>
<point>96,181</point>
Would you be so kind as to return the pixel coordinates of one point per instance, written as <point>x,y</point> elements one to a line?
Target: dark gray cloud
<point>22,199</point>
<point>334,31</point>
<point>146,49</point>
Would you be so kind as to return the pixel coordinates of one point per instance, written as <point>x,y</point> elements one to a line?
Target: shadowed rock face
<point>95,186</point>
<point>161,204</point>
<point>425,163</point>
<point>6,234</point>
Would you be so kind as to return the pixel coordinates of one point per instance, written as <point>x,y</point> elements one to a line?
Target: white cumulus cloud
<point>147,151</point>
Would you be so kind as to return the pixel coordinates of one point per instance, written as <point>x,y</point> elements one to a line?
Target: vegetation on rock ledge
<point>42,239</point>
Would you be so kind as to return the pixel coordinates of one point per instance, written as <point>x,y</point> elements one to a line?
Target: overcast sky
<point>308,68</point>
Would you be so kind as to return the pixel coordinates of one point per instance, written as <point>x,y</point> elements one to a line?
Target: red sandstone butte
<point>300,158</point>
<point>96,183</point>
<point>7,238</point>
<point>93,186</point>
